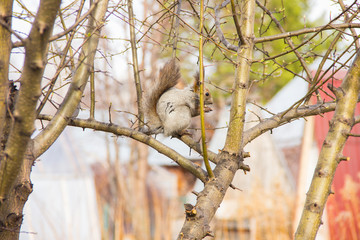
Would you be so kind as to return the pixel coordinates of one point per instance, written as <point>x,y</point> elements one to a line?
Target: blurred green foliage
<point>267,77</point>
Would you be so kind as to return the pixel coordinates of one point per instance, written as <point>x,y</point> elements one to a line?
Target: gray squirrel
<point>169,109</point>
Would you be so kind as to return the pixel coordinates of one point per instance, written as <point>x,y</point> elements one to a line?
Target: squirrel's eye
<point>207,94</point>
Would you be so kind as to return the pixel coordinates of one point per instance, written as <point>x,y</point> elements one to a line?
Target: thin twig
<point>219,32</point>
<point>70,29</point>
<point>197,32</point>
<point>176,28</point>
<point>237,24</point>
<point>308,40</point>
<point>306,31</point>
<point>62,65</point>
<point>135,64</point>
<point>7,26</point>
<point>288,40</point>
<point>201,80</point>
<point>92,93</point>
<point>353,32</point>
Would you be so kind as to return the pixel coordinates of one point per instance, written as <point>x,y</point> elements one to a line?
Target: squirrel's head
<point>207,95</point>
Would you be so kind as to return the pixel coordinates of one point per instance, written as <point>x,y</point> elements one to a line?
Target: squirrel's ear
<point>196,82</point>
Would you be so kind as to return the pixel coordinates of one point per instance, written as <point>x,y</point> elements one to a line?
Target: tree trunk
<point>198,218</point>
<point>11,208</point>
<point>331,152</point>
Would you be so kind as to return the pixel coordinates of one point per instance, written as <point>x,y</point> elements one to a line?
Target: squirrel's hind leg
<point>177,122</point>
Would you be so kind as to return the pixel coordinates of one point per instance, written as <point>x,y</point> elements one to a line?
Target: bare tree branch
<point>286,117</point>
<point>45,139</point>
<point>287,39</point>
<point>197,226</point>
<point>236,22</point>
<point>24,117</point>
<point>212,156</point>
<point>176,28</point>
<point>5,50</point>
<point>63,63</point>
<point>68,30</point>
<point>316,78</point>
<point>135,65</point>
<point>331,151</point>
<point>347,19</point>
<point>312,37</point>
<point>303,31</point>
<point>219,32</point>
<point>139,136</point>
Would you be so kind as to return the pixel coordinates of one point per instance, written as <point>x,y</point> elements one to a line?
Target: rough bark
<point>198,218</point>
<point>24,113</point>
<point>20,152</point>
<point>11,209</point>
<point>15,185</point>
<point>5,49</point>
<point>331,153</point>
<point>85,63</point>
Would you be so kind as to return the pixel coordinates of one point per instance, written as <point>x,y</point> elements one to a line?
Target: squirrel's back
<point>168,78</point>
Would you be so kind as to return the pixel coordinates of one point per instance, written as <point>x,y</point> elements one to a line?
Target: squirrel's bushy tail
<point>168,78</point>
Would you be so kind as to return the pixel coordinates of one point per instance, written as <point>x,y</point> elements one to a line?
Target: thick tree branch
<point>5,50</point>
<point>303,31</point>
<point>139,136</point>
<point>208,201</point>
<point>213,157</point>
<point>331,151</point>
<point>64,61</point>
<point>24,113</point>
<point>286,117</point>
<point>240,87</point>
<point>86,60</point>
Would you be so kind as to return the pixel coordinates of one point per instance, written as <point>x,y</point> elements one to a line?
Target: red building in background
<point>343,207</point>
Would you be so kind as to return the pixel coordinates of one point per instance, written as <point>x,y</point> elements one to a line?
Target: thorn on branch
<point>190,210</point>
<point>353,135</point>
<point>244,167</point>
<point>235,188</point>
<point>42,26</point>
<point>110,113</point>
<point>246,154</point>
<point>344,158</point>
<point>338,92</point>
<point>314,207</point>
<point>195,193</point>
<point>209,234</point>
<point>37,64</point>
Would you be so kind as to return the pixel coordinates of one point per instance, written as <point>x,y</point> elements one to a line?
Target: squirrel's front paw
<point>181,133</point>
<point>207,109</point>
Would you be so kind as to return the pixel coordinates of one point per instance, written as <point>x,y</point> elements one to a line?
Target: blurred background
<point>93,185</point>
